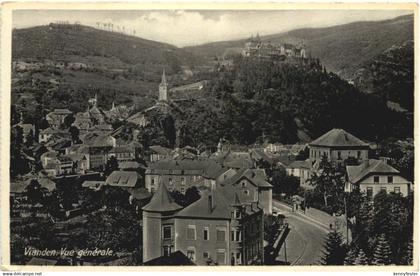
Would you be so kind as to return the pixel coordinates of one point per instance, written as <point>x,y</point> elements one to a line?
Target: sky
<point>194,27</point>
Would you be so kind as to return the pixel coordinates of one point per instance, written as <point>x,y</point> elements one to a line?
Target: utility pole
<point>347,225</point>
<point>285,251</point>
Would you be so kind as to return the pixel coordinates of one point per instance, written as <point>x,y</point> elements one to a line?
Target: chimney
<point>384,159</point>
<point>210,203</point>
<point>365,163</point>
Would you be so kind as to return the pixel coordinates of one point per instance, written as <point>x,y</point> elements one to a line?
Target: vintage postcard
<point>143,135</point>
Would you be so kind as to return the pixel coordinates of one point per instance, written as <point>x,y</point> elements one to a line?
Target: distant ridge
<point>342,49</point>
<point>66,42</point>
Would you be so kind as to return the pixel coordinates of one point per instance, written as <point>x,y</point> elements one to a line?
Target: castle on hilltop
<point>254,47</point>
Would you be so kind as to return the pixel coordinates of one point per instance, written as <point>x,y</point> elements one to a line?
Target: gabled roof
<point>161,150</point>
<point>162,201</point>
<point>123,179</point>
<point>223,198</point>
<point>18,187</point>
<point>357,173</point>
<point>300,164</point>
<point>41,261</point>
<point>175,258</point>
<point>255,176</point>
<point>139,193</point>
<point>338,138</point>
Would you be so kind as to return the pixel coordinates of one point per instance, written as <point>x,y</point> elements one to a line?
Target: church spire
<point>163,77</point>
<point>163,88</point>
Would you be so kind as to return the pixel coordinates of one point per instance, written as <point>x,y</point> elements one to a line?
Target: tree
<point>351,256</point>
<point>29,138</point>
<point>361,258</point>
<point>191,195</point>
<point>382,254</point>
<point>68,120</point>
<point>334,251</point>
<point>114,197</point>
<point>34,191</point>
<point>74,132</point>
<point>111,165</point>
<point>330,182</point>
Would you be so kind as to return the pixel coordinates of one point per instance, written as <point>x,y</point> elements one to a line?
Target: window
<point>397,190</point>
<point>191,232</point>
<point>237,214</point>
<point>376,179</point>
<point>243,184</point>
<point>339,155</point>
<point>390,179</point>
<point>369,192</point>
<point>153,181</point>
<point>246,192</point>
<point>182,181</point>
<point>191,253</point>
<point>170,181</point>
<point>359,154</point>
<point>206,233</point>
<point>238,235</point>
<point>232,235</point>
<point>221,256</point>
<point>167,250</point>
<point>206,255</point>
<point>221,235</point>
<point>383,189</point>
<point>167,232</point>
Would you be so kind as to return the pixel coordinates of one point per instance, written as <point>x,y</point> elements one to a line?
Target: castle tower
<point>158,225</point>
<point>163,88</point>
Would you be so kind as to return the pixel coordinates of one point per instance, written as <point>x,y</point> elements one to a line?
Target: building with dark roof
<point>179,175</point>
<point>251,186</point>
<point>338,145</point>
<point>216,229</point>
<point>56,118</point>
<point>124,179</point>
<point>373,176</point>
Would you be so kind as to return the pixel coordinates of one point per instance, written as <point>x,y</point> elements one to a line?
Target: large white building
<point>373,176</point>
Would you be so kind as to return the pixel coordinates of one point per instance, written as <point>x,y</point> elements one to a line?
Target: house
<point>124,179</point>
<point>56,118</point>
<point>159,152</point>
<point>300,169</point>
<point>93,185</point>
<point>123,153</point>
<point>80,162</point>
<point>373,176</point>
<point>58,145</point>
<point>180,175</point>
<point>273,147</point>
<point>48,158</point>
<point>49,133</point>
<point>216,229</point>
<point>64,165</point>
<point>251,184</point>
<point>337,145</point>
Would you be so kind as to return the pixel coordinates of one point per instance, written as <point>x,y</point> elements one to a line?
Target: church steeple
<point>163,88</point>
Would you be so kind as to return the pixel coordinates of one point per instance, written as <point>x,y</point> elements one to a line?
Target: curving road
<point>305,242</point>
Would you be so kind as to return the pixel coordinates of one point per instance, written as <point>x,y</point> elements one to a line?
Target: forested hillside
<point>280,102</point>
<point>390,75</point>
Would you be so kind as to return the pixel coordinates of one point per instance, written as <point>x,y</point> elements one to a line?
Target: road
<point>305,242</point>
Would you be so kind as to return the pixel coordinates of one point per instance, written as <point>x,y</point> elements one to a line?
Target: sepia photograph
<point>272,137</point>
